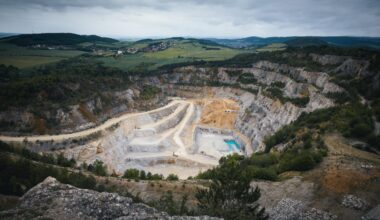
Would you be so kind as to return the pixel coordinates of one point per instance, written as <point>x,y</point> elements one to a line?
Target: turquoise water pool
<point>231,144</point>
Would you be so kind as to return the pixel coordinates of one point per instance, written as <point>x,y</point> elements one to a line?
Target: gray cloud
<point>199,18</point>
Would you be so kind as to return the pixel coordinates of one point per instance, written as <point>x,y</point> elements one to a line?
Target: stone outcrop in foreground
<point>53,200</point>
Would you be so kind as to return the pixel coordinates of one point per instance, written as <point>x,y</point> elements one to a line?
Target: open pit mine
<point>193,126</point>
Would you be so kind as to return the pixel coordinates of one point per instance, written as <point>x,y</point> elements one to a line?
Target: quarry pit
<point>184,137</point>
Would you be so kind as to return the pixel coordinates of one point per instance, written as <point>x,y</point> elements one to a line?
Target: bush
<point>339,97</point>
<point>285,133</point>
<point>157,177</point>
<point>59,160</point>
<point>142,175</point>
<point>298,162</point>
<point>263,160</point>
<point>172,177</point>
<point>360,130</point>
<point>149,92</point>
<point>17,175</point>
<point>98,168</point>
<point>253,172</point>
<point>230,200</point>
<point>247,78</point>
<point>278,84</point>
<point>131,174</point>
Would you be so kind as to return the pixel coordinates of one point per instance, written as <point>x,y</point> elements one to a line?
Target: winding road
<point>80,134</point>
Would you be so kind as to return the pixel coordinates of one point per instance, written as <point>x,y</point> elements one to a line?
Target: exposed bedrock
<point>259,115</point>
<point>54,200</point>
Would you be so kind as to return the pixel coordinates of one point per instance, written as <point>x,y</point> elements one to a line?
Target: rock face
<point>373,214</point>
<point>53,200</point>
<point>289,209</point>
<point>259,114</point>
<point>327,59</point>
<point>76,117</point>
<point>353,202</point>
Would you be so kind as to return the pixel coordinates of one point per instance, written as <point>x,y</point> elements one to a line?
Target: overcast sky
<point>196,18</point>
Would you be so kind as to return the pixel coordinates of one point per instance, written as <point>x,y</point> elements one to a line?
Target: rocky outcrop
<point>76,117</point>
<point>259,115</point>
<point>53,200</point>
<point>289,209</point>
<point>373,214</point>
<point>327,59</point>
<point>318,79</point>
<point>352,67</point>
<point>353,202</point>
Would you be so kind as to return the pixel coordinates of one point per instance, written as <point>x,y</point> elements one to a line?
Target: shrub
<point>253,172</point>
<point>149,92</point>
<point>142,175</point>
<point>157,177</point>
<point>247,78</point>
<point>98,168</point>
<point>285,133</point>
<point>172,177</point>
<point>278,84</point>
<point>339,97</point>
<point>17,175</point>
<point>298,162</point>
<point>360,130</point>
<point>230,200</point>
<point>131,174</point>
<point>263,160</point>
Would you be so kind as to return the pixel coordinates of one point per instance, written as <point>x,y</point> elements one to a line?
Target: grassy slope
<point>181,51</point>
<point>22,57</point>
<point>272,47</point>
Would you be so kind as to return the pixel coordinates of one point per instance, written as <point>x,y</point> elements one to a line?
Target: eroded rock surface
<point>289,209</point>
<point>54,200</point>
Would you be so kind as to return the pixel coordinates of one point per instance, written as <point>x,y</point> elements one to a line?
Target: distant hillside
<point>195,40</point>
<point>354,41</point>
<point>250,41</point>
<point>371,42</point>
<point>305,41</point>
<point>51,39</point>
<point>7,34</point>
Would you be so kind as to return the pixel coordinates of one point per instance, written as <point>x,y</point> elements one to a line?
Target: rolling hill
<point>343,41</point>
<point>52,39</point>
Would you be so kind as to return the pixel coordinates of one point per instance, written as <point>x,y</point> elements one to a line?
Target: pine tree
<point>231,200</point>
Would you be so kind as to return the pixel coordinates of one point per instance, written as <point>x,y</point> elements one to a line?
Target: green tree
<point>142,175</point>
<point>131,174</point>
<point>149,176</point>
<point>99,168</point>
<point>231,200</point>
<point>172,177</point>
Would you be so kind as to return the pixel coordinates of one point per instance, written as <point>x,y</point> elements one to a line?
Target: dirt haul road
<point>80,134</point>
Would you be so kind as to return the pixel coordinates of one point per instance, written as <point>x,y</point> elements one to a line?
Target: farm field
<point>180,51</point>
<point>272,47</point>
<point>23,57</point>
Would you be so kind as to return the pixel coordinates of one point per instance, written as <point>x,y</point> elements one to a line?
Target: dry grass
<point>152,190</point>
<point>343,171</point>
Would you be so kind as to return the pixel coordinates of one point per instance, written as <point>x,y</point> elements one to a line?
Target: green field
<point>180,51</point>
<point>272,47</point>
<point>107,45</point>
<point>23,57</point>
